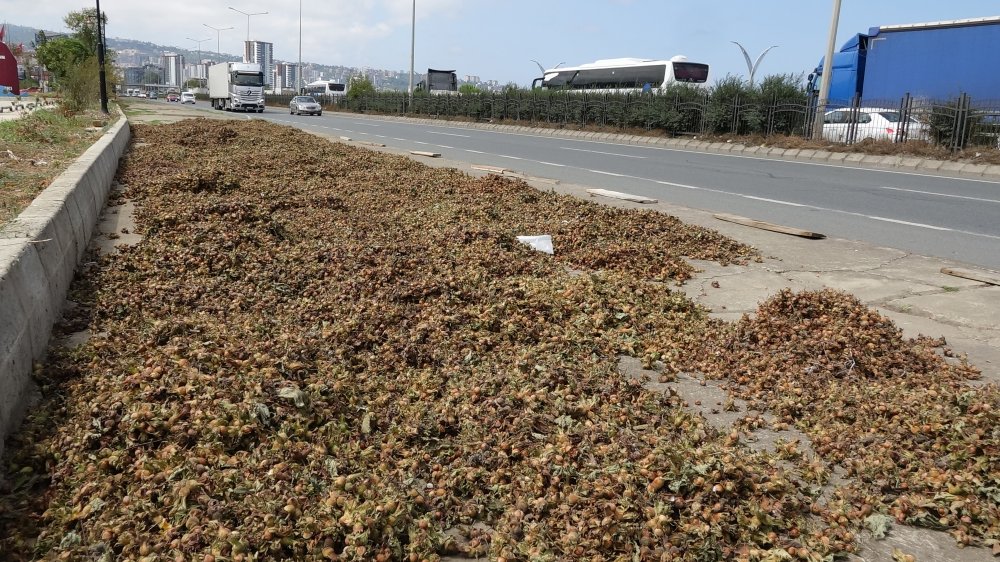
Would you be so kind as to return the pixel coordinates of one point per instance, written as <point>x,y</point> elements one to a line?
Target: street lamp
<point>218,37</point>
<point>413,43</point>
<point>248,18</point>
<point>752,66</point>
<point>102,77</point>
<point>824,88</point>
<point>199,42</point>
<point>298,71</point>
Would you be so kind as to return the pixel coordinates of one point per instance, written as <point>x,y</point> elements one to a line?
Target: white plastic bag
<point>541,243</point>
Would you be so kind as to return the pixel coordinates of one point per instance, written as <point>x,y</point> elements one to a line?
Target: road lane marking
<point>474,151</point>
<point>551,164</point>
<point>420,142</point>
<point>966,197</point>
<point>449,134</point>
<point>608,173</point>
<point>600,152</point>
<point>778,201</point>
<point>366,124</point>
<point>511,157</point>
<point>908,223</point>
<point>398,139</point>
<point>443,146</point>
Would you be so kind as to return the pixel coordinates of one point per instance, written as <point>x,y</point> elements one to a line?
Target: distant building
<point>472,79</point>
<point>262,53</point>
<point>286,75</point>
<point>173,64</point>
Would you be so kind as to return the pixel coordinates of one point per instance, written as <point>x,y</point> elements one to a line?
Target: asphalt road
<point>943,217</point>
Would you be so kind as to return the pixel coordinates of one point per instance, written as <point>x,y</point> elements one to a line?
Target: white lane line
<point>398,139</point>
<point>812,207</point>
<point>600,152</point>
<point>366,124</point>
<point>908,223</point>
<point>449,134</point>
<point>966,197</point>
<point>420,142</point>
<point>474,151</point>
<point>510,157</point>
<point>778,201</point>
<point>551,164</point>
<point>380,136</point>
<point>670,183</point>
<point>443,146</point>
<point>608,173</point>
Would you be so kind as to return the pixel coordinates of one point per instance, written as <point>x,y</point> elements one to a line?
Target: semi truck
<point>932,61</point>
<point>439,82</point>
<point>236,86</point>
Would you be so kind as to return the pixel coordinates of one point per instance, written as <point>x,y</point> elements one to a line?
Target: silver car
<point>304,104</point>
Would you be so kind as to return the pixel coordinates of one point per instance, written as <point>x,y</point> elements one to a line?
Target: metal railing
<point>956,124</point>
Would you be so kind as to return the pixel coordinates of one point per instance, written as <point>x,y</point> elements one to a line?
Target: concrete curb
<point>846,159</point>
<point>39,252</point>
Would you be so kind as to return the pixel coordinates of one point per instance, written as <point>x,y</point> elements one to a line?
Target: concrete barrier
<point>39,252</point>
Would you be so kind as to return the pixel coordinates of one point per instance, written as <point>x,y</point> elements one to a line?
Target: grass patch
<point>35,149</point>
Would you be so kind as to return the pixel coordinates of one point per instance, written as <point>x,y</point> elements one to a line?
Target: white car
<point>187,97</point>
<point>870,123</point>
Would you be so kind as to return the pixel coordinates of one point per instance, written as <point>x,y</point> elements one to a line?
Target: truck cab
<point>234,86</point>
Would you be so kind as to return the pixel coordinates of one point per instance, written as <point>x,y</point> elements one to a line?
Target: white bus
<point>623,75</point>
<point>325,88</point>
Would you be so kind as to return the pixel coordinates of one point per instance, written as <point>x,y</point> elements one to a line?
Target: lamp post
<point>248,18</point>
<point>824,88</point>
<point>413,43</point>
<point>298,70</point>
<point>752,66</point>
<point>218,37</point>
<point>199,42</point>
<point>100,61</point>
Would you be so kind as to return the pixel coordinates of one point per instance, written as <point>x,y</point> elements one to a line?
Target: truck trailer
<point>439,82</point>
<point>236,86</point>
<point>933,61</point>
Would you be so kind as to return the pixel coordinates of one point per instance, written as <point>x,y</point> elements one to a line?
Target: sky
<point>498,39</point>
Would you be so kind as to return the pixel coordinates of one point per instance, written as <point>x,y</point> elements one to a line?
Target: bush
<point>81,88</point>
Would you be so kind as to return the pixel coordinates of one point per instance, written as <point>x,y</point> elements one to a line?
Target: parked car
<point>173,97</point>
<point>187,97</point>
<point>141,94</point>
<point>870,123</point>
<point>304,104</point>
<point>153,95</point>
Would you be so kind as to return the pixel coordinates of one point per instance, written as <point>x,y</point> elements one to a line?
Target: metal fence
<point>956,124</point>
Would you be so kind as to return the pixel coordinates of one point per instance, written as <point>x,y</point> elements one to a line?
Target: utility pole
<point>824,88</point>
<point>100,61</point>
<point>298,71</point>
<point>413,44</point>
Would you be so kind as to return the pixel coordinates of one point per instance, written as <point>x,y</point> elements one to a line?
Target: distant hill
<point>132,52</point>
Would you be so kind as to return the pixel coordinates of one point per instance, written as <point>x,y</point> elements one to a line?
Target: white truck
<point>236,86</point>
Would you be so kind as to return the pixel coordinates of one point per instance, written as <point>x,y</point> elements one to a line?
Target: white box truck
<point>236,86</point>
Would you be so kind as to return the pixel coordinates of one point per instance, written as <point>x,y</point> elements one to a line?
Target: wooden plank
<point>620,195</point>
<point>491,169</point>
<point>370,143</point>
<point>425,153</point>
<point>348,139</point>
<point>769,226</point>
<point>983,276</point>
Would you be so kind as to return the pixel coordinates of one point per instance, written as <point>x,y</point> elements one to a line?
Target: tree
<point>62,55</point>
<point>359,86</point>
<point>83,24</point>
<point>469,89</point>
